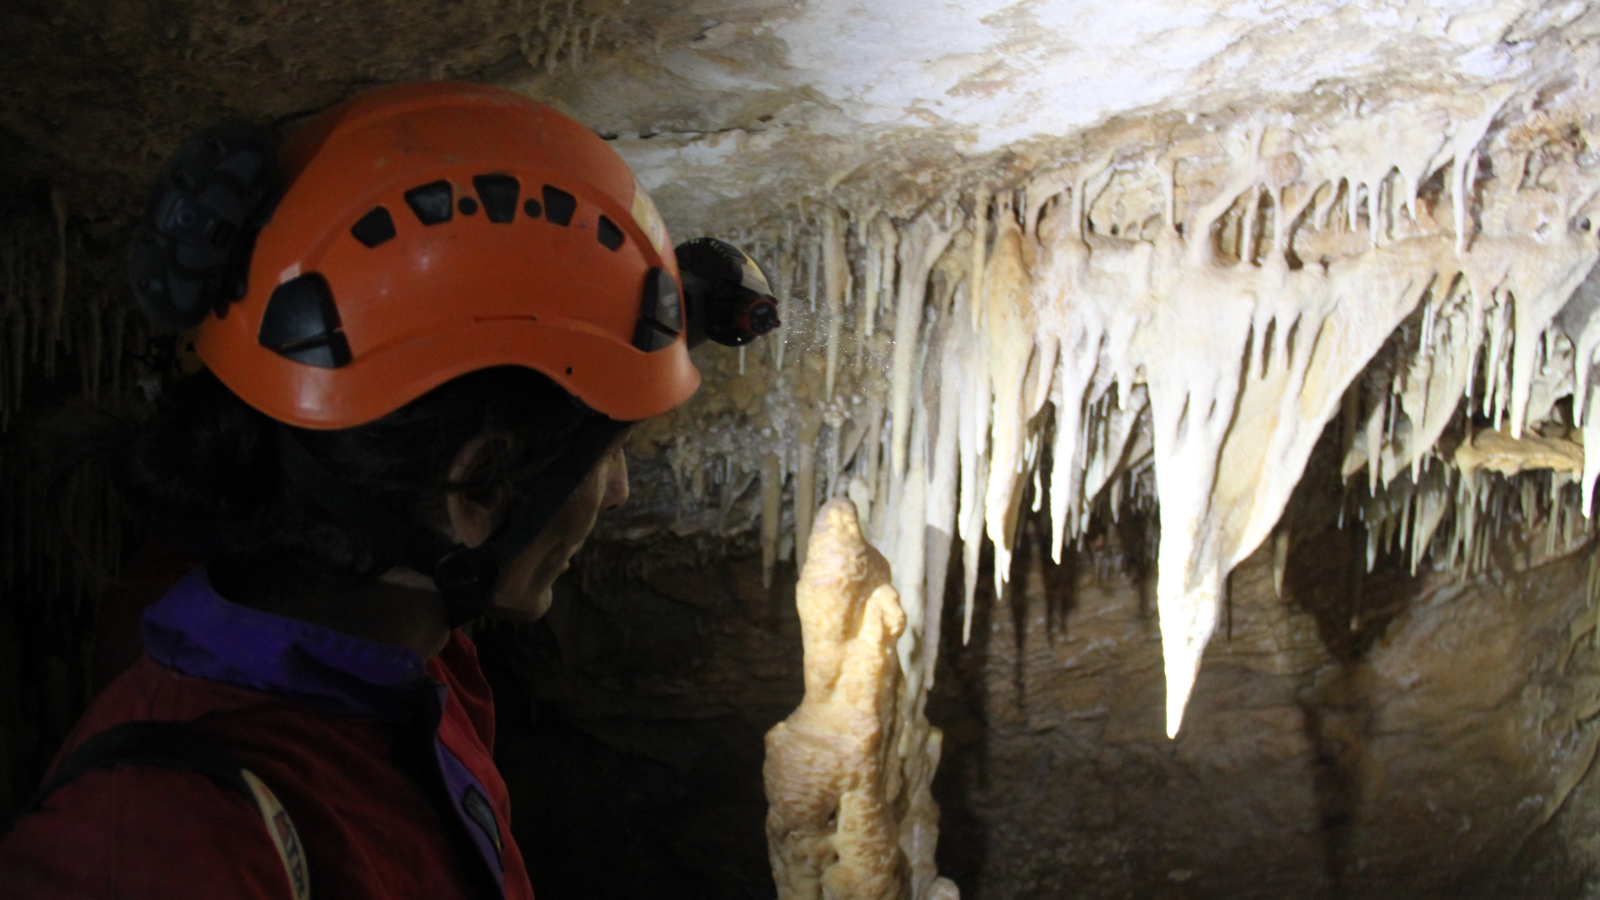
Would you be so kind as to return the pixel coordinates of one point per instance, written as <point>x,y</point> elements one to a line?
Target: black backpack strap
<point>173,745</point>
<point>165,744</point>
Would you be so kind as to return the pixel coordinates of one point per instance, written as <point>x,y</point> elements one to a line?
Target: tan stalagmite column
<point>834,781</point>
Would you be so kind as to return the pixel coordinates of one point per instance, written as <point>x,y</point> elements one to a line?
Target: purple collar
<point>196,631</point>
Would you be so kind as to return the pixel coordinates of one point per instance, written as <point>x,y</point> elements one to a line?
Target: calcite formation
<point>850,813</point>
<point>1174,323</point>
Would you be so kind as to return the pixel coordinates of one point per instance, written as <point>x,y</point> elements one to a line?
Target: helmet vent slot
<point>498,193</point>
<point>608,232</point>
<point>376,227</point>
<point>432,202</point>
<point>301,323</point>
<point>559,205</point>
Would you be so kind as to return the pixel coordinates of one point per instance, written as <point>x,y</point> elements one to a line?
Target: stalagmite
<point>840,805</point>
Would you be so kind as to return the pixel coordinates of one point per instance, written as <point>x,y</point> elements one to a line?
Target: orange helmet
<point>425,231</point>
<point>429,230</point>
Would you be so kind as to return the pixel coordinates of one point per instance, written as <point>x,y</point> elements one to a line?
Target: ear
<point>471,522</point>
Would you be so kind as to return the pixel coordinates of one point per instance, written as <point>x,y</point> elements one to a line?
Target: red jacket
<point>383,761</point>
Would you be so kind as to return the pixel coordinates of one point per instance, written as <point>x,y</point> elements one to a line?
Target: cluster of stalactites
<point>51,316</point>
<point>1061,341</point>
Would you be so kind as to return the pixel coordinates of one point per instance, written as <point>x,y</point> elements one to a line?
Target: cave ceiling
<point>732,110</point>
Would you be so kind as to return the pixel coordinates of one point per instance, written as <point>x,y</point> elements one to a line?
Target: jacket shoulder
<point>135,832</point>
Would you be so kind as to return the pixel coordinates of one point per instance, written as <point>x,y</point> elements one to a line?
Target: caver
<point>422,326</point>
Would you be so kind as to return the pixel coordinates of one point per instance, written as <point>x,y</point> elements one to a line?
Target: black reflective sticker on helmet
<point>649,337</point>
<point>432,202</point>
<point>559,205</point>
<point>660,312</point>
<point>374,228</point>
<point>498,193</point>
<point>468,206</point>
<point>301,323</point>
<point>532,208</point>
<point>661,302</point>
<point>609,234</point>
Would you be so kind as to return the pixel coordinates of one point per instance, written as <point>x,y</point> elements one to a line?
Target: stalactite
<point>1192,358</point>
<point>837,277</point>
<point>1008,328</point>
<point>62,333</point>
<point>881,241</point>
<point>805,480</point>
<point>919,249</point>
<point>980,249</point>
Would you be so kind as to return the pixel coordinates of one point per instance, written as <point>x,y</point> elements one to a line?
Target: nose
<point>616,482</point>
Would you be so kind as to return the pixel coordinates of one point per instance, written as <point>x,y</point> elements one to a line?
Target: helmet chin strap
<point>464,576</point>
